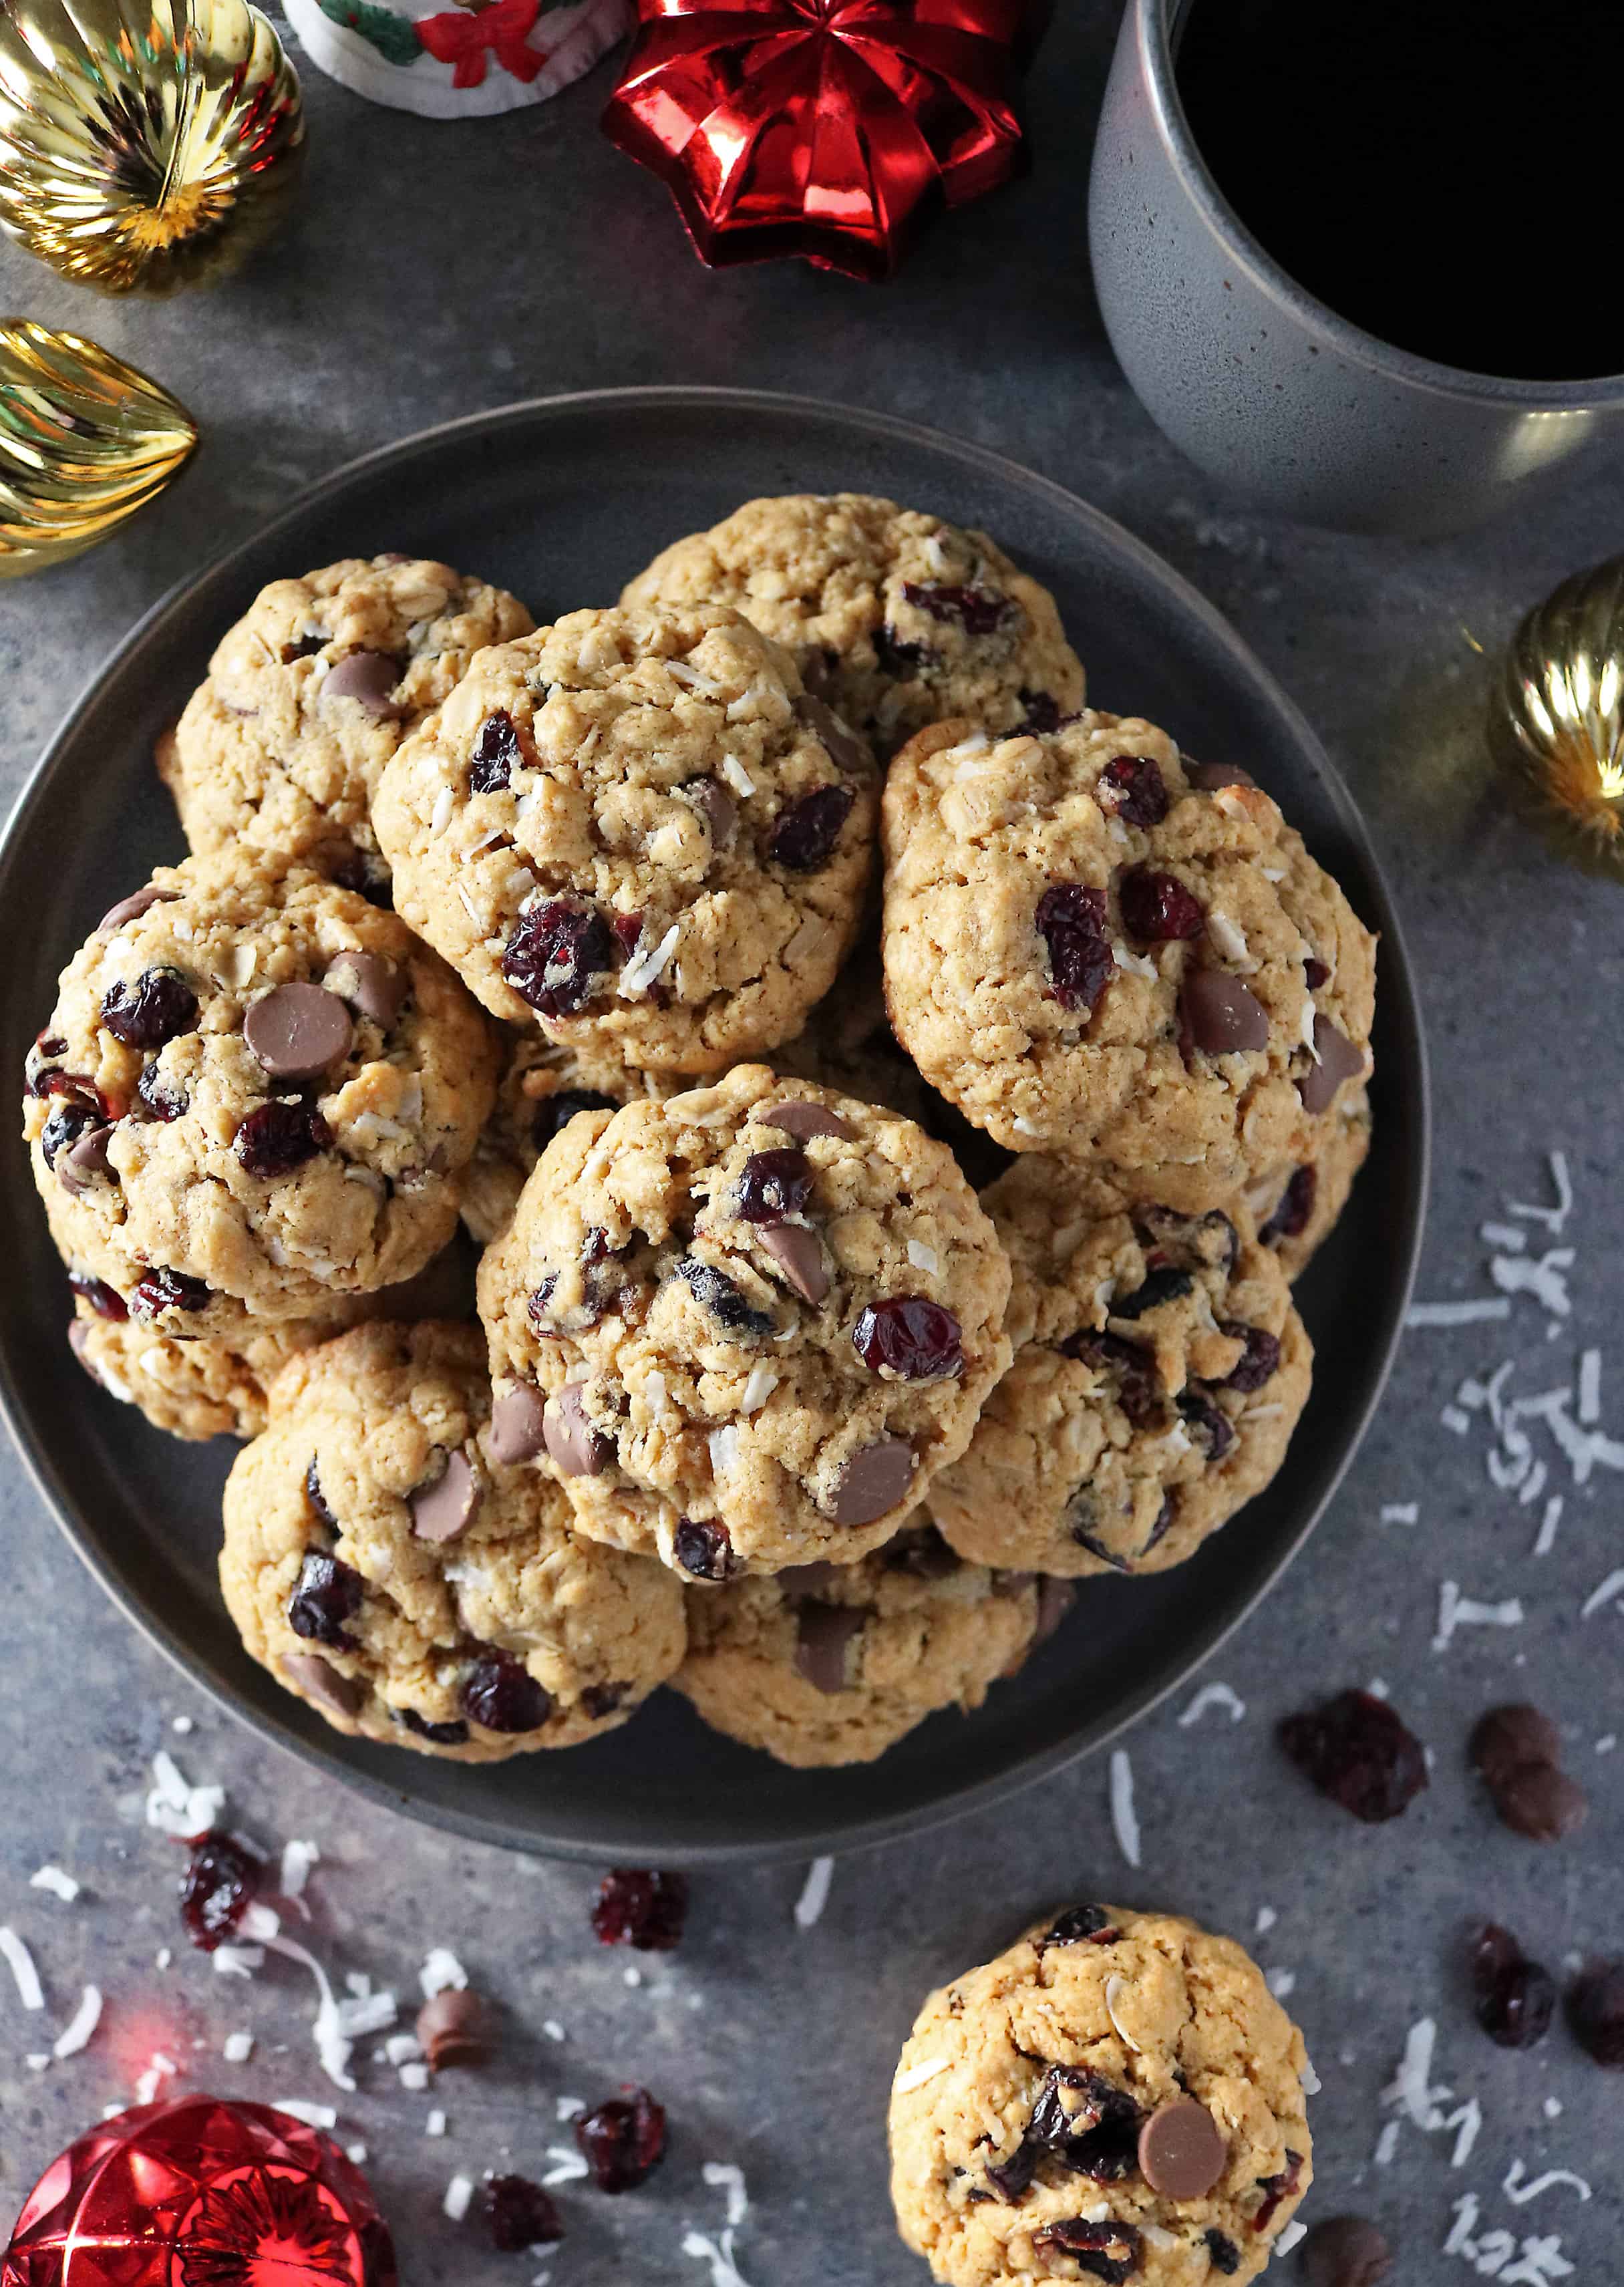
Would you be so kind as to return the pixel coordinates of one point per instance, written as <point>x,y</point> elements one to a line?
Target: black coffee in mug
<point>1444,173</point>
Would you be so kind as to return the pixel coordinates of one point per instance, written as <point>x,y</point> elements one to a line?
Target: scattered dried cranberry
<point>1595,2007</point>
<point>715,1293</point>
<point>774,1186</point>
<point>1133,789</point>
<point>501,1694</point>
<point>454,1734</point>
<point>303,647</point>
<point>1257,1363</point>
<point>160,1098</point>
<point>1356,1750</point>
<point>1086,2125</point>
<point>496,753</point>
<point>58,1082</point>
<point>641,1907</point>
<point>1517,1999</point>
<point>1294,1209</point>
<point>156,1008</point>
<point>804,832</point>
<point>979,611</point>
<point>520,2214</point>
<point>164,1289</point>
<point>556,955</point>
<point>1079,1925</point>
<point>72,1118</point>
<point>1101,2251</point>
<point>895,655</point>
<point>1209,1426</point>
<point>1314,974</point>
<point>623,2139</point>
<point>216,1889</point>
<point>1277,2188</point>
<point>325,1595</point>
<point>276,1137</point>
<point>1138,1391</point>
<point>1071,921</point>
<point>1159,1286</point>
<point>554,1113</point>
<point>315,1495</point>
<point>106,1300</point>
<point>1157,909</point>
<point>1222,2254</point>
<point>702,1549</point>
<point>911,1337</point>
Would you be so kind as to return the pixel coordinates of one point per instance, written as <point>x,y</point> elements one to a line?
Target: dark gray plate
<point>562,500</point>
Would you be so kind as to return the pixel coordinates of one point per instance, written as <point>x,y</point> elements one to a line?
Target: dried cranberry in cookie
<point>894,617</point>
<point>436,1598</point>
<point>634,834</point>
<point>761,1316</point>
<point>309,695</point>
<point>1090,953</point>
<point>1159,1370</point>
<point>1297,1207</point>
<point>263,1097</point>
<point>1129,2107</point>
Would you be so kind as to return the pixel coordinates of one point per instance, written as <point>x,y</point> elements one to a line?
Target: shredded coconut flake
<point>723,1445</point>
<point>1228,937</point>
<point>1520,2193</point>
<point>435,2125</point>
<point>1457,1314</point>
<point>736,776</point>
<point>1212,1695</point>
<point>313,2116</point>
<point>76,2035</point>
<point>177,1807</point>
<point>641,971</point>
<point>814,1892</point>
<point>439,817</point>
<point>237,2048</point>
<point>333,2046</point>
<point>60,1885</point>
<point>1610,1589</point>
<point>723,2176</point>
<point>441,1972</point>
<point>459,2191</point>
<point>923,1258</point>
<point>298,1859</point>
<point>1400,1512</point>
<point>916,2076</point>
<point>567,2168</point>
<point>762,1383</point>
<point>1455,1610</point>
<point>1293,2232</point>
<point>415,2077</point>
<point>1115,1987</point>
<point>718,2253</point>
<point>19,1961</point>
<point>1123,1817</point>
<point>1282,1983</point>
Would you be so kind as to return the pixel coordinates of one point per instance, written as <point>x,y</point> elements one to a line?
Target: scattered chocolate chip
<point>1517,1999</point>
<point>453,2027</point>
<point>373,985</point>
<point>325,1595</point>
<point>163,1289</point>
<point>1071,921</point>
<point>520,2214</point>
<point>85,1161</point>
<point>443,1508</point>
<point>577,1447</point>
<point>556,955</point>
<point>1208,1426</point>
<point>1056,1598</point>
<point>1165,1516</point>
<point>454,1734</point>
<point>1292,1209</point>
<point>1356,1750</point>
<point>875,1480</point>
<point>496,753</point>
<point>517,1429</point>
<point>1223,2253</point>
<point>276,1138</point>
<point>804,832</point>
<point>1315,974</point>
<point>1258,1362</point>
<point>132,908</point>
<point>642,1907</point>
<point>78,1338</point>
<point>623,2140</point>
<point>921,1553</point>
<point>1210,776</point>
<point>846,752</point>
<point>1133,789</point>
<point>1157,909</point>
<point>1509,1735</point>
<point>1593,2003</point>
<point>1159,1286</point>
<point>1222,1016</point>
<point>216,1889</point>
<point>909,1337</point>
<point>798,1254</point>
<point>716,806</point>
<point>979,611</point>
<point>1540,1802</point>
<point>824,1636</point>
<point>1092,1542</point>
<point>303,647</point>
<point>554,1113</point>
<point>1338,1060</point>
<point>805,1121</point>
<point>1183,2151</point>
<point>298,1032</point>
<point>369,677</point>
<point>702,1549</point>
<point>501,1694</point>
<point>1101,2251</point>
<point>308,1671</point>
<point>1080,1926</point>
<point>1345,2250</point>
<point>811,1579</point>
<point>158,1007</point>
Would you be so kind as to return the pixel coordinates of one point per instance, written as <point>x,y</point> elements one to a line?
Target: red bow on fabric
<point>822,128</point>
<point>463,39</point>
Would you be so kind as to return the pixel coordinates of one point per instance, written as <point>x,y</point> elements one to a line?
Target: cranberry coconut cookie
<point>255,1091</point>
<point>761,1316</point>
<point>542,1089</point>
<point>636,830</point>
<point>893,616</point>
<point>1299,1206</point>
<point>1096,947</point>
<point>309,695</point>
<point>384,1563</point>
<point>824,1663</point>
<point>1159,1370</point>
<point>1117,2097</point>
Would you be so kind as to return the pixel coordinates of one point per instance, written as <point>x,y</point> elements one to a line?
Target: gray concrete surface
<point>434,269</point>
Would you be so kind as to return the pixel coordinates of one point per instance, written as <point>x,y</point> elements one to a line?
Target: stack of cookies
<point>892,1100</point>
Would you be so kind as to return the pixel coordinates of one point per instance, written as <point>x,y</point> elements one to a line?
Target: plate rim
<point>879,1828</point>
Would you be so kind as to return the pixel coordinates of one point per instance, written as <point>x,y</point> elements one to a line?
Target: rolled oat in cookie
<point>1159,1370</point>
<point>1094,950</point>
<point>385,1565</point>
<point>893,616</point>
<point>637,833</point>
<point>256,1095</point>
<point>1117,2097</point>
<point>310,693</point>
<point>761,1315</point>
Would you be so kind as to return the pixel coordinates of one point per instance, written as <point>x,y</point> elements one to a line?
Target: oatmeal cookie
<point>1117,2097</point>
<point>637,832</point>
<point>1297,1206</point>
<point>762,1315</point>
<point>541,1090</point>
<point>1159,1370</point>
<point>384,1563</point>
<point>896,617</point>
<point>254,1086</point>
<point>309,695</point>
<point>1098,948</point>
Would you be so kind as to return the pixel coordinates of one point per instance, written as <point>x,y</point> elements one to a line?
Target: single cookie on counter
<point>1160,1371</point>
<point>824,1663</point>
<point>384,1563</point>
<point>255,1090</point>
<point>541,1090</point>
<point>761,1316</point>
<point>1119,2096</point>
<point>637,831</point>
<point>894,616</point>
<point>1097,948</point>
<point>1297,1206</point>
<point>309,695</point>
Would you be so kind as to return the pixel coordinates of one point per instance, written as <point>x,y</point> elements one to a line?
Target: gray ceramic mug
<point>1265,387</point>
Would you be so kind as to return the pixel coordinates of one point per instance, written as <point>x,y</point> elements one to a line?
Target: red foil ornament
<point>822,128</point>
<point>200,2193</point>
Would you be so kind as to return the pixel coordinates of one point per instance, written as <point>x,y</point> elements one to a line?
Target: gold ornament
<point>1557,720</point>
<point>144,144</point>
<point>85,441</point>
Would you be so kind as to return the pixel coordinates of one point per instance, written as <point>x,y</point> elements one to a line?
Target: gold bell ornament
<point>144,144</point>
<point>85,441</point>
<point>1556,718</point>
